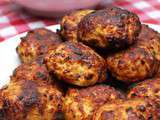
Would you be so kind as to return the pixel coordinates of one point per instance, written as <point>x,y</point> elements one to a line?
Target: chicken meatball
<point>149,89</point>
<point>76,64</point>
<point>140,61</point>
<point>35,70</point>
<point>79,104</point>
<point>149,39</point>
<point>110,28</point>
<point>29,100</point>
<point>136,109</point>
<point>132,65</point>
<point>69,24</point>
<point>36,43</point>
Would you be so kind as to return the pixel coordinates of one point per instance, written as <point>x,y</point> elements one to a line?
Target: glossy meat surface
<point>76,64</point>
<point>135,109</point>
<point>29,100</point>
<point>112,28</point>
<point>138,62</point>
<point>148,89</point>
<point>69,24</point>
<point>34,70</point>
<point>79,104</point>
<point>37,42</point>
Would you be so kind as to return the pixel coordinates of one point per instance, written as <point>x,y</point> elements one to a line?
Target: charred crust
<point>107,114</point>
<point>121,26</point>
<point>141,108</point>
<point>37,42</point>
<point>94,97</point>
<point>41,75</point>
<point>29,95</point>
<point>80,55</point>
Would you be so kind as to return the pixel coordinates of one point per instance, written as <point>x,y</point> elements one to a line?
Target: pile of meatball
<point>101,65</point>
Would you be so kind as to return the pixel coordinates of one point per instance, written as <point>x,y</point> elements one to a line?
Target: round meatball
<point>30,100</point>
<point>76,64</point>
<point>149,39</point>
<point>36,43</point>
<point>35,70</point>
<point>79,104</point>
<point>112,28</point>
<point>132,65</point>
<point>140,61</point>
<point>136,109</point>
<point>149,89</point>
<point>69,24</point>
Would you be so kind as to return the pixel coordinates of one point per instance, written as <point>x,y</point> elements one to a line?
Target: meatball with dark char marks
<point>35,70</point>
<point>135,109</point>
<point>37,42</point>
<point>140,61</point>
<point>132,65</point>
<point>76,64</point>
<point>110,28</point>
<point>149,39</point>
<point>79,104</point>
<point>29,100</point>
<point>69,24</point>
<point>149,89</point>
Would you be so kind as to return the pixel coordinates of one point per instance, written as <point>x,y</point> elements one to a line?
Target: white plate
<point>9,59</point>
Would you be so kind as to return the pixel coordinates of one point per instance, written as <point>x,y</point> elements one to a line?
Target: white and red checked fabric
<point>14,21</point>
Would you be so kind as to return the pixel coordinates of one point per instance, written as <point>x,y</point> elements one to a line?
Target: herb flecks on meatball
<point>76,64</point>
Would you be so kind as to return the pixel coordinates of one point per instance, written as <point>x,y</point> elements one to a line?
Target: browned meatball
<point>109,28</point>
<point>149,89</point>
<point>35,70</point>
<point>140,61</point>
<point>29,100</point>
<point>76,64</point>
<point>149,39</point>
<point>132,65</point>
<point>135,109</point>
<point>79,104</point>
<point>69,24</point>
<point>36,43</point>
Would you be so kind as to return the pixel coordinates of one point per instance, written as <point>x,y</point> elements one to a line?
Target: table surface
<point>14,21</point>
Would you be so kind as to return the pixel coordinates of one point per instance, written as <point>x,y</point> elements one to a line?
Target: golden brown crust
<point>109,28</point>
<point>29,100</point>
<point>132,65</point>
<point>35,70</point>
<point>79,104</point>
<point>135,109</point>
<point>149,89</point>
<point>36,43</point>
<point>140,61</point>
<point>150,39</point>
<point>69,24</point>
<point>76,64</point>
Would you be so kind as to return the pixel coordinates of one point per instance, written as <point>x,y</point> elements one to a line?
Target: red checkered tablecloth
<point>14,21</point>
